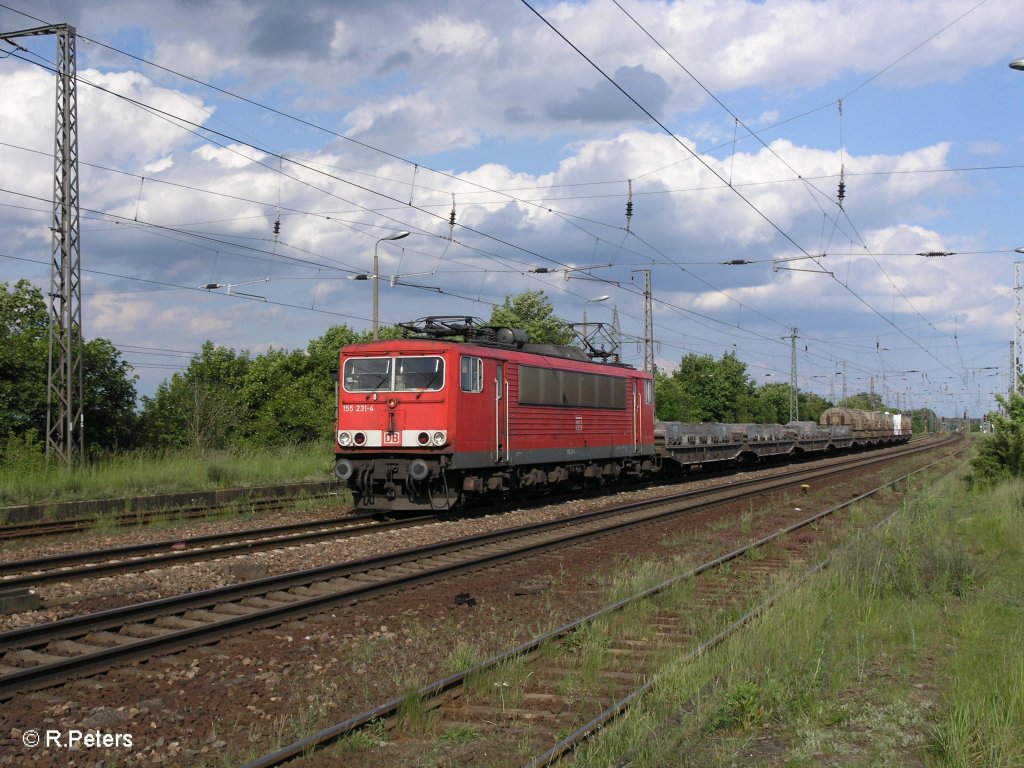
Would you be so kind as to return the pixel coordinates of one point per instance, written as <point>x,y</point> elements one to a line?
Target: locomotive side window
<point>367,374</point>
<point>415,374</point>
<point>648,392</point>
<point>472,374</point>
<point>546,386</point>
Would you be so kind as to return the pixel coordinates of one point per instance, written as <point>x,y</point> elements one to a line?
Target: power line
<point>307,123</point>
<point>193,289</point>
<point>799,177</point>
<point>376,211</point>
<point>707,166</point>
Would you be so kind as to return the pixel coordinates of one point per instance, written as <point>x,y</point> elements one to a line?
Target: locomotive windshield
<point>418,373</point>
<point>399,374</point>
<point>368,374</point>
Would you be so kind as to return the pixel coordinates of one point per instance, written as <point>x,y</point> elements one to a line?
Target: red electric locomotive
<point>458,410</point>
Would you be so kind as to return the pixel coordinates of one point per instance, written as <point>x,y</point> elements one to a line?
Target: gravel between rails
<point>64,599</point>
<point>207,705</point>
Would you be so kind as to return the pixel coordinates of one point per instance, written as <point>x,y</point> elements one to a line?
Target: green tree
<point>280,397</point>
<point>108,384</point>
<point>720,389</point>
<point>812,406</point>
<point>323,359</point>
<point>671,402</point>
<point>774,399</point>
<point>751,408</point>
<point>23,356</point>
<point>286,402</point>
<point>201,407</point>
<point>324,351</point>
<point>923,420</point>
<point>108,397</point>
<point>865,401</point>
<point>532,312</point>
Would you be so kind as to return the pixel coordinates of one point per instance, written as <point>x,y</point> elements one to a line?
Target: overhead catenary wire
<point>282,114</point>
<point>260,148</point>
<point>270,168</point>
<point>453,194</point>
<point>842,171</point>
<point>714,172</point>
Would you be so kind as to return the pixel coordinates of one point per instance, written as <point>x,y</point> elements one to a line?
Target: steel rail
<point>154,608</point>
<point>438,687</point>
<point>538,537</point>
<point>41,528</point>
<point>55,568</point>
<point>588,729</point>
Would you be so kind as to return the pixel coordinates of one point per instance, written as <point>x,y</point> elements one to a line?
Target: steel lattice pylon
<point>64,428</point>
<point>64,433</point>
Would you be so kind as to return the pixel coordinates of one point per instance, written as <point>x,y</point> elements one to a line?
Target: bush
<point>24,453</point>
<point>1001,454</point>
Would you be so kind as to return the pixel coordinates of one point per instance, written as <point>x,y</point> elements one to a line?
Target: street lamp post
<point>376,278</point>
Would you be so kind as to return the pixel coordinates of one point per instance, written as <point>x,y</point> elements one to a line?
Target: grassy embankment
<point>147,472</point>
<point>908,650</point>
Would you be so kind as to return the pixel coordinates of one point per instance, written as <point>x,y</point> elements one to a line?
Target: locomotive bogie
<point>398,482</point>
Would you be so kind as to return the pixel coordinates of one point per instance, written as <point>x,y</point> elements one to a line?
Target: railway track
<point>74,566</point>
<point>571,682</point>
<point>46,654</point>
<point>46,528</point>
<point>139,557</point>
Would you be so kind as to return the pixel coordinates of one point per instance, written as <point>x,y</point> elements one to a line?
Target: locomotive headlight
<point>439,438</point>
<point>344,439</point>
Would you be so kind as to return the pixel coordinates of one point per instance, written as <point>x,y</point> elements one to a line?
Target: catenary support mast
<point>65,439</point>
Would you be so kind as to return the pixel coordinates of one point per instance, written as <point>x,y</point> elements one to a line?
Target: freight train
<point>460,411</point>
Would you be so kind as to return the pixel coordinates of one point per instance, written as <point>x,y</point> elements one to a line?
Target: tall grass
<point>983,717</point>
<point>146,472</point>
<point>909,649</point>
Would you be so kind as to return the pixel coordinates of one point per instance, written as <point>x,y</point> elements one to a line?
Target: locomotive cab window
<point>367,374</point>
<point>472,374</point>
<point>415,374</point>
<point>648,392</point>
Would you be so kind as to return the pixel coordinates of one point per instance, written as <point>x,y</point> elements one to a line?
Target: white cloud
<point>450,37</point>
<point>493,97</point>
<point>117,316</point>
<point>162,164</point>
<point>232,156</point>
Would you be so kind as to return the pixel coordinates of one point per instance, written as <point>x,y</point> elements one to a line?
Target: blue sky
<point>486,104</point>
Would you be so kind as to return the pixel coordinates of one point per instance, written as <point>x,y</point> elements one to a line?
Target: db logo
<point>392,438</point>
